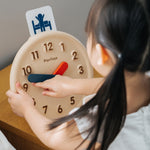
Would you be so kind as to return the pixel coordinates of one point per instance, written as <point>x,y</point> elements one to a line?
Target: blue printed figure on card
<point>42,24</point>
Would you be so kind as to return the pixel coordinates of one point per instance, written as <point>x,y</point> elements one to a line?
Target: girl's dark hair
<point>121,26</point>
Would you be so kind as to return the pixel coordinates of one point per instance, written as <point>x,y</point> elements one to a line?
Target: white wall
<point>70,17</point>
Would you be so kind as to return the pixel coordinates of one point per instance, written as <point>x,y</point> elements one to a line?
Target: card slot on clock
<point>34,78</point>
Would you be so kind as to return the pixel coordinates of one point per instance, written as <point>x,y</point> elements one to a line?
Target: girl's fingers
<point>19,88</point>
<point>43,85</point>
<point>9,93</point>
<point>39,84</point>
<point>9,100</point>
<point>49,93</point>
<point>12,94</point>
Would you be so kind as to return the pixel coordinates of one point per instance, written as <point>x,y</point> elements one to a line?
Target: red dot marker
<point>61,68</point>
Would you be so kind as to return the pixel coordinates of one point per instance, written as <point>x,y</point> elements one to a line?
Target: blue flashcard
<point>40,20</point>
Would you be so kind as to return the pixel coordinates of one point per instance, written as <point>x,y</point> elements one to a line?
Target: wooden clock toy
<point>42,57</point>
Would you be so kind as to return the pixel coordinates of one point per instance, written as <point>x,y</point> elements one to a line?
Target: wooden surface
<point>15,128</point>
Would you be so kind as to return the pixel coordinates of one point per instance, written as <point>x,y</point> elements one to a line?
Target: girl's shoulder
<point>140,120</point>
<point>135,132</point>
<point>145,109</point>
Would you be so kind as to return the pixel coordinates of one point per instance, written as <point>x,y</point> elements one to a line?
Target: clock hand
<point>42,77</point>
<point>61,68</point>
<point>34,78</point>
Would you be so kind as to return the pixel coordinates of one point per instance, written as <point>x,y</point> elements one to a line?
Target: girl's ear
<point>102,54</point>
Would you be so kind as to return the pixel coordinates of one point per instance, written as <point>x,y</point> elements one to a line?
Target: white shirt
<point>135,135</point>
<point>4,144</point>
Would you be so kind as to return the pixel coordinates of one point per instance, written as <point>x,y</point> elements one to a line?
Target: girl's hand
<point>59,86</point>
<point>19,101</point>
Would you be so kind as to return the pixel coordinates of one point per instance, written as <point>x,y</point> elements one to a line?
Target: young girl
<point>117,117</point>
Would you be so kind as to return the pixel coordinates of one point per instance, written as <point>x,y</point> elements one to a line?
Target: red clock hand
<point>61,68</point>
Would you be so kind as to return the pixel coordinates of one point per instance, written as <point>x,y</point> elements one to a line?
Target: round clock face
<point>42,54</point>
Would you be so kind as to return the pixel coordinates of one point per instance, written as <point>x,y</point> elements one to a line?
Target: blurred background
<point>70,16</point>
